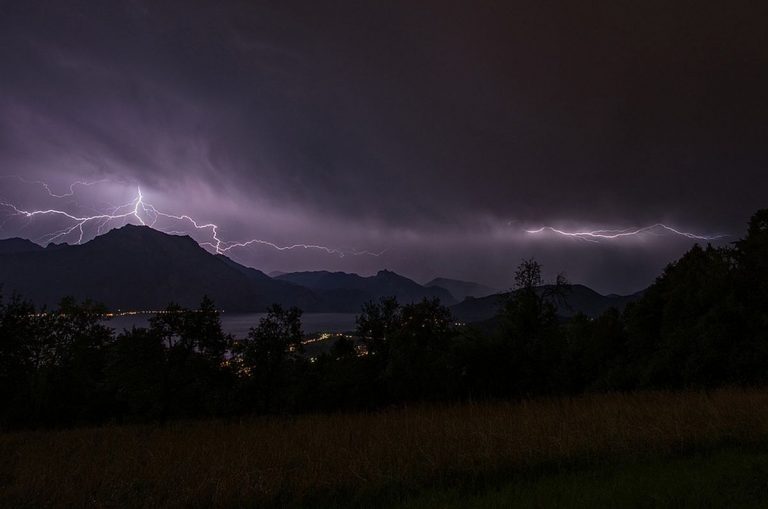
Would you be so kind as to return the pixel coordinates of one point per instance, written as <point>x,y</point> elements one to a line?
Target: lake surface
<point>238,324</point>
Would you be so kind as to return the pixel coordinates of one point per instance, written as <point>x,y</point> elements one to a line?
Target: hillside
<point>460,290</point>
<point>136,267</point>
<point>347,292</point>
<point>18,246</point>
<point>578,299</point>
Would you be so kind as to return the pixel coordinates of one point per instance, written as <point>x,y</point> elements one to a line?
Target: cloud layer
<point>439,133</point>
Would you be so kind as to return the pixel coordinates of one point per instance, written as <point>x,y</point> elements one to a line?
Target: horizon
<point>440,140</point>
<point>371,274</point>
<point>80,228</point>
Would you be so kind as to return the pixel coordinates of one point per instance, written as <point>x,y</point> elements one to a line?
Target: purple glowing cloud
<point>146,214</point>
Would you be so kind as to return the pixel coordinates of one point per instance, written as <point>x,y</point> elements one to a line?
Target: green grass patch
<point>734,477</point>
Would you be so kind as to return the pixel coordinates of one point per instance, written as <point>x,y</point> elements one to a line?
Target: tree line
<point>702,324</point>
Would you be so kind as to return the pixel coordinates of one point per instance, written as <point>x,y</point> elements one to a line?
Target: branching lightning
<point>47,188</point>
<point>145,214</point>
<point>597,235</point>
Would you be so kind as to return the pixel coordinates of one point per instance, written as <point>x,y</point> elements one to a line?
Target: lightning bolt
<point>47,188</point>
<point>147,214</point>
<point>79,222</point>
<point>597,235</point>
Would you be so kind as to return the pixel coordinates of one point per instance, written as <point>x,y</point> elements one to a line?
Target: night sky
<point>437,132</point>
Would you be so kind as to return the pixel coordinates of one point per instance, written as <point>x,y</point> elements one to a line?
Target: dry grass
<point>281,460</point>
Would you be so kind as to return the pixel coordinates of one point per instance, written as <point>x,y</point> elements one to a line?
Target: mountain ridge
<point>462,289</point>
<point>139,268</point>
<point>18,245</point>
<point>578,298</point>
<point>348,291</point>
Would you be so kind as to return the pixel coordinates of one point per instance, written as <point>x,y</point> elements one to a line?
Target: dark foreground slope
<point>136,267</point>
<point>653,449</point>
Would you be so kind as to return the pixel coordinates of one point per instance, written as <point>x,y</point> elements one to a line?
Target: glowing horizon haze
<point>65,224</point>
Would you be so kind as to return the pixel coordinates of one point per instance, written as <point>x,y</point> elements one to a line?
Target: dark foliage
<point>703,323</point>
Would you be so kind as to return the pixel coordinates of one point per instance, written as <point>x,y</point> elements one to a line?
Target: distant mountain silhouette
<point>462,289</point>
<point>136,267</point>
<point>578,299</point>
<point>17,246</point>
<point>347,292</point>
<point>139,268</point>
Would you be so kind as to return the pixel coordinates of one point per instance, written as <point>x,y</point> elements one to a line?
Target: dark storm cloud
<point>409,125</point>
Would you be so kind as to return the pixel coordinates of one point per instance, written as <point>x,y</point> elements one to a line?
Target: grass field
<point>651,449</point>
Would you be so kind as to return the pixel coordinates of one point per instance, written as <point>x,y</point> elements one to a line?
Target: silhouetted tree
<point>751,259</point>
<point>197,379</point>
<point>136,374</point>
<point>593,357</point>
<point>703,323</point>
<point>169,326</point>
<point>342,348</point>
<point>268,356</point>
<point>376,324</point>
<point>339,379</point>
<point>532,339</point>
<point>202,329</point>
<point>681,332</point>
<point>420,365</point>
<point>71,384</point>
<point>18,336</point>
<point>528,275</point>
